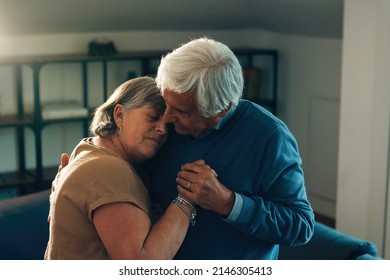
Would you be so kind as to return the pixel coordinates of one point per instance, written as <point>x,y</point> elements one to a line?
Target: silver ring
<point>189,186</point>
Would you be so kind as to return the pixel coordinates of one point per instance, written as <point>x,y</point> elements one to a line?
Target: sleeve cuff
<point>237,208</point>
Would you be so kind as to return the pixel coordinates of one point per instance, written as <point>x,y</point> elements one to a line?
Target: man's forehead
<point>180,100</point>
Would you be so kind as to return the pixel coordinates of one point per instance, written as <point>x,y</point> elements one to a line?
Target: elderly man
<point>232,157</point>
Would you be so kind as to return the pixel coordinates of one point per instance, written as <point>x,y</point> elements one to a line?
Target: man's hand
<point>64,162</point>
<point>198,182</point>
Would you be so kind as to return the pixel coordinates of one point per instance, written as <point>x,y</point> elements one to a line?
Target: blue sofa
<point>24,232</point>
<point>24,229</point>
<point>330,244</point>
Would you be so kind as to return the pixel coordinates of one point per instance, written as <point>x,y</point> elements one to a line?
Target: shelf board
<point>48,172</point>
<point>20,178</point>
<point>65,120</point>
<point>254,51</point>
<point>14,120</point>
<point>14,179</point>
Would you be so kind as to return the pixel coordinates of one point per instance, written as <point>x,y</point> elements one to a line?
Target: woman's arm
<point>127,231</point>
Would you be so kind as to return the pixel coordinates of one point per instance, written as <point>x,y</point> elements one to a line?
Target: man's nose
<point>168,115</point>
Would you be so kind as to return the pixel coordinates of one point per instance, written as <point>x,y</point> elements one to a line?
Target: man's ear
<point>224,112</point>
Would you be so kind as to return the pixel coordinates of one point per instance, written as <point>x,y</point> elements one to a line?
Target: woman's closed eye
<point>153,117</point>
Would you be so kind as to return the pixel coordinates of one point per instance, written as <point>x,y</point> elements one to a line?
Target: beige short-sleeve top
<point>93,178</point>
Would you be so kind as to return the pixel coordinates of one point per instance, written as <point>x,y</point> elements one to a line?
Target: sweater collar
<point>223,121</point>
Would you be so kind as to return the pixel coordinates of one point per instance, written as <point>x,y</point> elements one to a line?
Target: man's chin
<point>181,131</point>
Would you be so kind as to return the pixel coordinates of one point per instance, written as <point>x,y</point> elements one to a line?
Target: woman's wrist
<point>187,207</point>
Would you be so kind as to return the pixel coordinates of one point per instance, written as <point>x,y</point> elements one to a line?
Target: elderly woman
<point>100,207</point>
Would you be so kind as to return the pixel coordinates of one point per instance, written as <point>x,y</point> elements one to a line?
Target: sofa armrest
<point>24,230</point>
<point>329,244</point>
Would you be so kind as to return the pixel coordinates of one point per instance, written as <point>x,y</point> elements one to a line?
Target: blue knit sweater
<point>256,156</point>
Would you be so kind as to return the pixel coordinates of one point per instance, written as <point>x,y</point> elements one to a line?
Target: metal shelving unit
<point>39,178</point>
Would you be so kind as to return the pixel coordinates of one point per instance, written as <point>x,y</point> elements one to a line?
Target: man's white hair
<point>207,68</point>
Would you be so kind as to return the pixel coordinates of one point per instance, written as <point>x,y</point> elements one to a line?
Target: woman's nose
<point>162,127</point>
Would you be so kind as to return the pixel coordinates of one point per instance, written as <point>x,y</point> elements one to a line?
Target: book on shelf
<point>252,83</point>
<point>63,110</point>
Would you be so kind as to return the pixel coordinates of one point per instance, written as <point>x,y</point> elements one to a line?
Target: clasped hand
<point>199,183</point>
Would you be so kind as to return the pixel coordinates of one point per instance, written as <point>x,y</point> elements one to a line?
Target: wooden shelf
<point>65,120</point>
<point>14,120</point>
<point>48,172</point>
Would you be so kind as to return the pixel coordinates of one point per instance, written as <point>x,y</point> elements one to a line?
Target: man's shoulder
<point>250,115</point>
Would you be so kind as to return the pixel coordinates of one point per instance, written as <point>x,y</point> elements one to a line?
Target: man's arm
<point>281,213</point>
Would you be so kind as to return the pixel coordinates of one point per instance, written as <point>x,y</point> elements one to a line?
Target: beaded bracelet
<point>187,208</point>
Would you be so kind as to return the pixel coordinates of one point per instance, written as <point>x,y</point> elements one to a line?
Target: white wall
<point>309,86</point>
<point>363,191</point>
<point>309,104</point>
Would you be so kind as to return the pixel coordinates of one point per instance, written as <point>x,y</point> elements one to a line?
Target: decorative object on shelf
<point>100,47</point>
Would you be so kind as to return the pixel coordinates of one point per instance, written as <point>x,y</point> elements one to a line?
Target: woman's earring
<point>119,131</point>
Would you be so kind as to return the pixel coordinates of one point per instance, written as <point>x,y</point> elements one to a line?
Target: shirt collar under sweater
<point>220,124</point>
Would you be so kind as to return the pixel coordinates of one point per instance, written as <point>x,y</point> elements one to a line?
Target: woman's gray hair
<point>206,67</point>
<point>134,93</point>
